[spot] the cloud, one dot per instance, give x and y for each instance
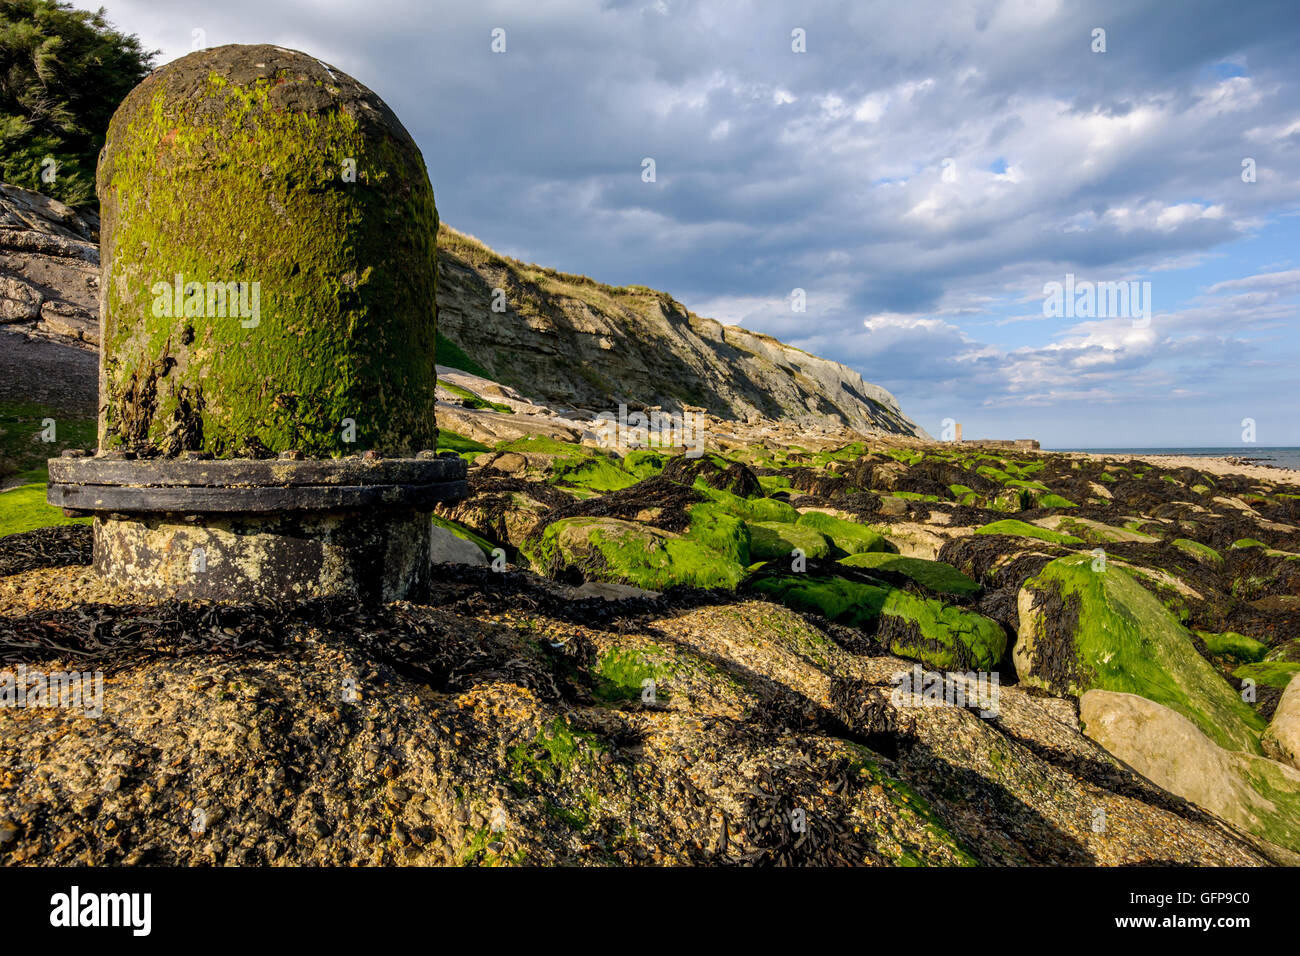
(921, 171)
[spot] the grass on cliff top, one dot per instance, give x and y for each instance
(599, 295)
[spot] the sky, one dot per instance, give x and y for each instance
(922, 171)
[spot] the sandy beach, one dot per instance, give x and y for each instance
(1213, 466)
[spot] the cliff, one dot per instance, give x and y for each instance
(567, 340)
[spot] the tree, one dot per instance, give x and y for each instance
(62, 74)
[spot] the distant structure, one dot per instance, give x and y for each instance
(1020, 444)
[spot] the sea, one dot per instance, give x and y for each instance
(1276, 457)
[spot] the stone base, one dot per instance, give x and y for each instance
(373, 557)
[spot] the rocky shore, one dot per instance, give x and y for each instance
(658, 676)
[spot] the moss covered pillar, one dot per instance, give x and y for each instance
(268, 243)
(268, 250)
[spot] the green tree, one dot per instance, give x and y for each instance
(62, 74)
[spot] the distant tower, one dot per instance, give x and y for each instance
(956, 432)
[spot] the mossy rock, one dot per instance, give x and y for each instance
(915, 496)
(1023, 529)
(772, 539)
(1028, 485)
(774, 483)
(610, 549)
(724, 533)
(934, 576)
(1055, 501)
(1231, 644)
(596, 472)
(470, 399)
(940, 636)
(1082, 629)
(750, 509)
(467, 448)
(1248, 543)
(1269, 673)
(1008, 501)
(1286, 651)
(228, 166)
(848, 536)
(713, 472)
(644, 463)
(836, 599)
(1094, 532)
(1201, 552)
(461, 531)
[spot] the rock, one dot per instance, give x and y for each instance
(490, 427)
(1258, 795)
(774, 540)
(18, 300)
(1281, 739)
(49, 280)
(23, 210)
(940, 636)
(889, 505)
(505, 517)
(849, 537)
(448, 548)
(610, 591)
(886, 474)
(935, 576)
(1082, 629)
(556, 336)
(734, 478)
(514, 464)
(609, 549)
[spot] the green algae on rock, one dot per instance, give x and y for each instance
(836, 599)
(610, 549)
(260, 175)
(849, 536)
(1082, 629)
(939, 635)
(934, 576)
(936, 634)
(774, 539)
(1023, 529)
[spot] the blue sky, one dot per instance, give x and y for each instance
(922, 171)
